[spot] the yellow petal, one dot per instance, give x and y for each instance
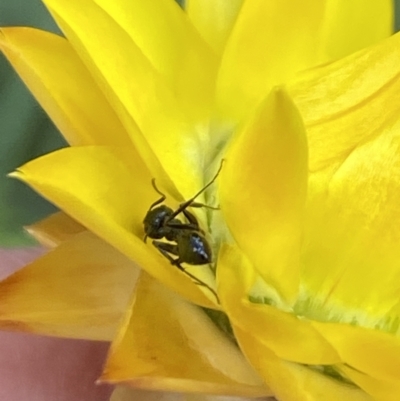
(292, 36)
(166, 343)
(139, 94)
(78, 290)
(352, 226)
(370, 351)
(342, 102)
(171, 44)
(109, 191)
(55, 229)
(282, 332)
(352, 25)
(213, 19)
(266, 173)
(63, 86)
(352, 199)
(269, 43)
(292, 382)
(379, 389)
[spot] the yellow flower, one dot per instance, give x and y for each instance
(305, 241)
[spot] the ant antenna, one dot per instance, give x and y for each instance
(209, 184)
(163, 197)
(191, 202)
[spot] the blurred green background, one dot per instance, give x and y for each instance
(25, 130)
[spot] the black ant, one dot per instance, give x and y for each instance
(189, 242)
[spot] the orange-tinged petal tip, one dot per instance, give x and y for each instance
(54, 229)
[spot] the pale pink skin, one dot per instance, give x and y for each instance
(37, 368)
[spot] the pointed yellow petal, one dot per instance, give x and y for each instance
(55, 229)
(270, 42)
(62, 84)
(282, 332)
(370, 351)
(352, 25)
(136, 91)
(109, 191)
(167, 344)
(293, 382)
(78, 290)
(379, 389)
(171, 44)
(266, 172)
(213, 19)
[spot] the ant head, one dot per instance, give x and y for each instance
(154, 222)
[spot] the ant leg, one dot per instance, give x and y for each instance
(195, 279)
(165, 248)
(177, 224)
(192, 225)
(163, 197)
(193, 221)
(191, 218)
